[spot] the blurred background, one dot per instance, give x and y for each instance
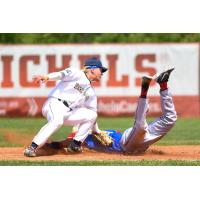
(128, 56)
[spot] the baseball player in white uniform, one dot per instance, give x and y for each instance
(73, 101)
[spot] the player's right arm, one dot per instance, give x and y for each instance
(66, 74)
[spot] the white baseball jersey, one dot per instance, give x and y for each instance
(75, 88)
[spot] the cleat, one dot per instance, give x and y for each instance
(30, 152)
(74, 148)
(146, 80)
(163, 76)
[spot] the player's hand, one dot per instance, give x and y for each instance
(40, 79)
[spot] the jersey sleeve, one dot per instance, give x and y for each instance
(70, 74)
(54, 76)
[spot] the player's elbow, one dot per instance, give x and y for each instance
(140, 126)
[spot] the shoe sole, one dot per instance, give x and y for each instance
(146, 80)
(68, 150)
(29, 155)
(156, 76)
(148, 77)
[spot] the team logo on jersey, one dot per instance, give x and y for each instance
(79, 88)
(68, 71)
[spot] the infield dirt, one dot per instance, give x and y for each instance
(154, 153)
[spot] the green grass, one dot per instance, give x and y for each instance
(185, 132)
(102, 163)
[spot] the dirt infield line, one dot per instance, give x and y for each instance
(154, 153)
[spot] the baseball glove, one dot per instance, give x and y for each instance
(103, 138)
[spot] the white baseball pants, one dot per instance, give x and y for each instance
(58, 115)
(142, 135)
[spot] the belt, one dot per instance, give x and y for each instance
(65, 103)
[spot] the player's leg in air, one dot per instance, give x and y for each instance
(138, 138)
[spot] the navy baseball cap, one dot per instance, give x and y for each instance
(93, 63)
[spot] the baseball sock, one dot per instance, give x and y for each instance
(34, 145)
(163, 86)
(78, 143)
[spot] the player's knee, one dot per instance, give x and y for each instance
(57, 122)
(91, 116)
(140, 126)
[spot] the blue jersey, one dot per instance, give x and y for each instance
(92, 143)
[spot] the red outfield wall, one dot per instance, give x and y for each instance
(120, 86)
(107, 106)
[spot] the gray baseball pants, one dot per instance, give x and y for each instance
(139, 137)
